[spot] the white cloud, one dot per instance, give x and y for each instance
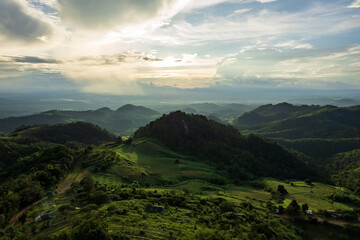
(273, 68)
(355, 4)
(266, 1)
(294, 45)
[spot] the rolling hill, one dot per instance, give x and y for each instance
(317, 131)
(151, 187)
(124, 120)
(80, 132)
(224, 147)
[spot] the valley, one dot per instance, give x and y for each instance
(181, 176)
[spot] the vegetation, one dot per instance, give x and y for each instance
(180, 177)
(241, 157)
(123, 120)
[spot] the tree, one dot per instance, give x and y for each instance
(87, 184)
(304, 207)
(281, 189)
(91, 229)
(308, 181)
(293, 208)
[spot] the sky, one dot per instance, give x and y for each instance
(127, 47)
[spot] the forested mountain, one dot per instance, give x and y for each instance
(225, 110)
(225, 147)
(181, 171)
(289, 121)
(317, 131)
(263, 115)
(345, 169)
(123, 120)
(80, 132)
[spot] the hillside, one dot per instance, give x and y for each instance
(224, 147)
(80, 132)
(328, 122)
(124, 120)
(345, 169)
(318, 132)
(265, 114)
(142, 189)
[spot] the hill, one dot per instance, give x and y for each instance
(224, 147)
(345, 170)
(265, 114)
(288, 121)
(317, 131)
(143, 189)
(224, 111)
(124, 120)
(80, 132)
(327, 122)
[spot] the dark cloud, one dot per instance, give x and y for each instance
(16, 24)
(33, 59)
(152, 59)
(128, 57)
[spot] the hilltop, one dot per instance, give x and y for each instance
(224, 147)
(151, 187)
(263, 115)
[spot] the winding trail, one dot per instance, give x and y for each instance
(14, 221)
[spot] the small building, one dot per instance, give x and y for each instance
(45, 216)
(157, 208)
(334, 214)
(309, 212)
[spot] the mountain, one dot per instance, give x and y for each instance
(124, 120)
(224, 147)
(181, 177)
(317, 131)
(81, 132)
(265, 114)
(345, 170)
(327, 122)
(221, 110)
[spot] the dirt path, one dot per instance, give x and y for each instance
(66, 184)
(14, 221)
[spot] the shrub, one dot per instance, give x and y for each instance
(91, 229)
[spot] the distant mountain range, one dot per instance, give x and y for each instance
(124, 119)
(317, 131)
(79, 132)
(288, 121)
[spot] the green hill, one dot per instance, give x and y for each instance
(266, 114)
(80, 132)
(146, 188)
(345, 169)
(124, 120)
(318, 132)
(224, 147)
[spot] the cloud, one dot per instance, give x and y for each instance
(355, 4)
(95, 14)
(31, 59)
(19, 23)
(292, 67)
(294, 45)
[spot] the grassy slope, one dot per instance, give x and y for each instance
(157, 163)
